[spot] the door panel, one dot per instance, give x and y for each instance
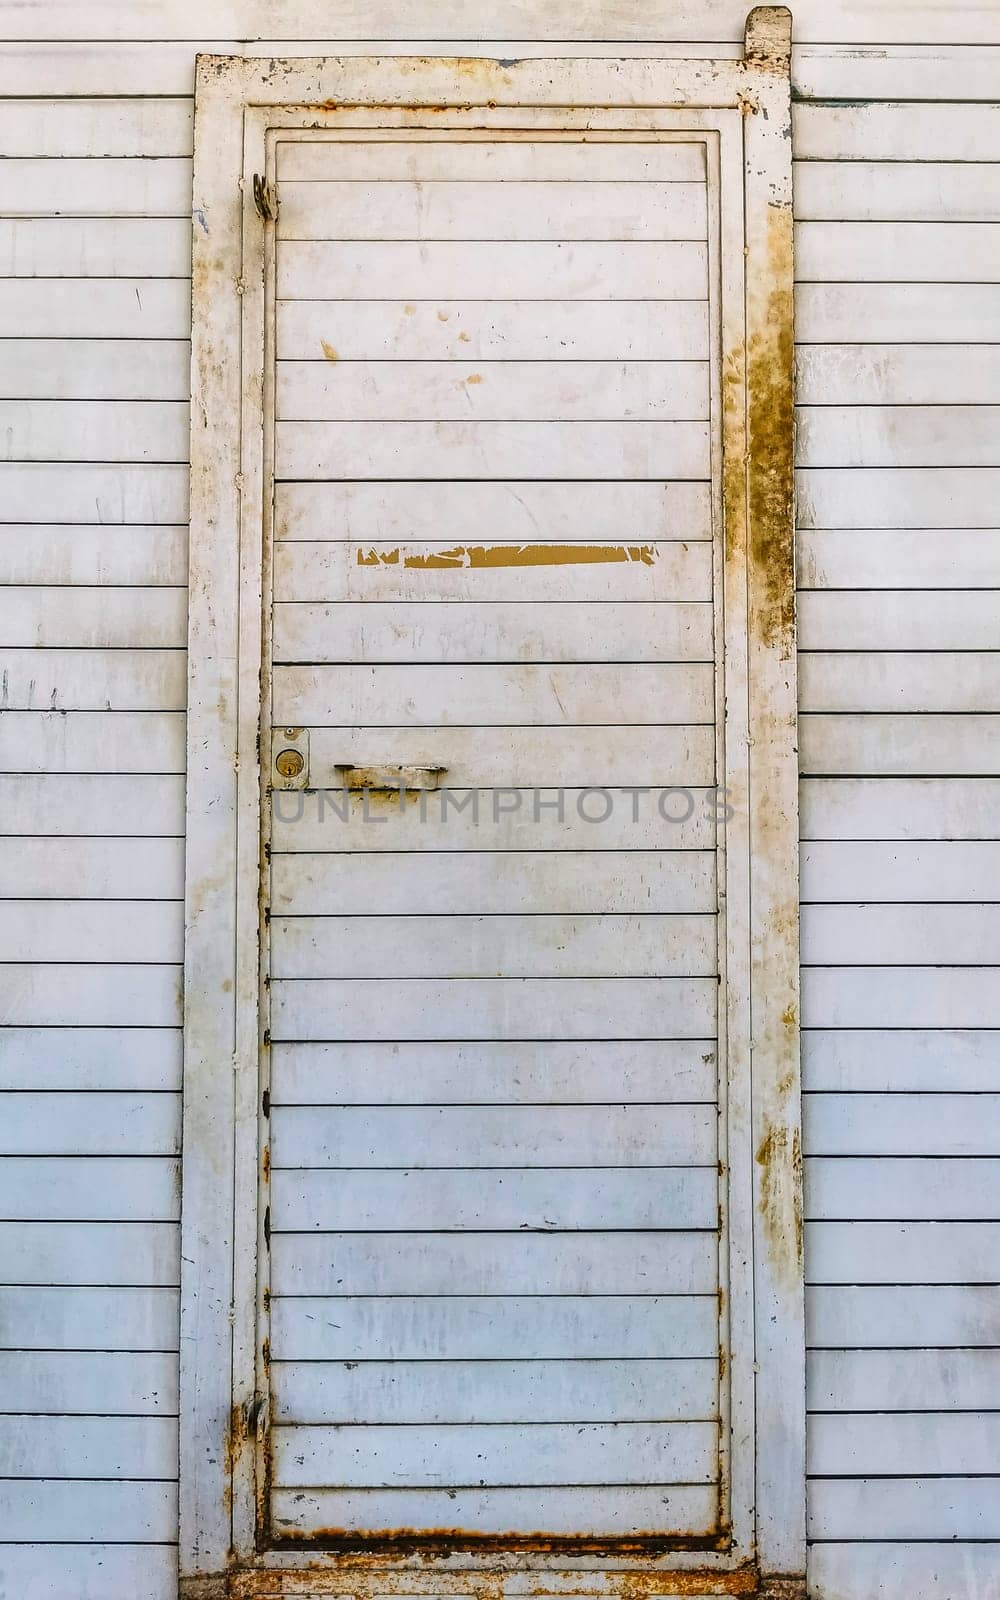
(495, 1262)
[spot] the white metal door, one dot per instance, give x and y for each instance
(494, 972)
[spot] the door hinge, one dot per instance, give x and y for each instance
(264, 198)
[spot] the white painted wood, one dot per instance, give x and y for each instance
(307, 450)
(90, 1058)
(657, 1197)
(79, 430)
(531, 883)
(533, 1453)
(880, 1189)
(75, 994)
(899, 680)
(97, 127)
(673, 571)
(913, 1443)
(930, 72)
(895, 1124)
(614, 1510)
(962, 935)
(92, 618)
(91, 868)
(97, 1571)
(587, 271)
(532, 1008)
(856, 312)
(489, 1136)
(58, 491)
(82, 369)
(493, 330)
(649, 754)
(92, 680)
(472, 1264)
(549, 161)
(124, 1382)
(84, 1512)
(47, 1319)
(867, 436)
(904, 1380)
(85, 1447)
(94, 804)
(913, 1508)
(947, 870)
(907, 72)
(897, 374)
(642, 946)
(518, 696)
(897, 132)
(894, 745)
(110, 556)
(909, 1317)
(895, 252)
(845, 22)
(497, 1392)
(91, 741)
(100, 1253)
(542, 629)
(901, 808)
(917, 558)
(95, 1188)
(80, 308)
(891, 191)
(901, 1252)
(500, 390)
(874, 1060)
(157, 186)
(82, 1124)
(491, 1327)
(91, 248)
(443, 822)
(492, 513)
(900, 997)
(898, 498)
(521, 1073)
(511, 210)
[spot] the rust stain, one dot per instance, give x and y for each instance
(779, 1156)
(465, 337)
(329, 351)
(352, 1569)
(410, 310)
(474, 377)
(770, 418)
(444, 316)
(479, 557)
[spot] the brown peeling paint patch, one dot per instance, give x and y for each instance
(478, 557)
(779, 1156)
(329, 351)
(770, 481)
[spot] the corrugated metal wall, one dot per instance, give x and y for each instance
(898, 325)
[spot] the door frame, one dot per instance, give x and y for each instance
(239, 104)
